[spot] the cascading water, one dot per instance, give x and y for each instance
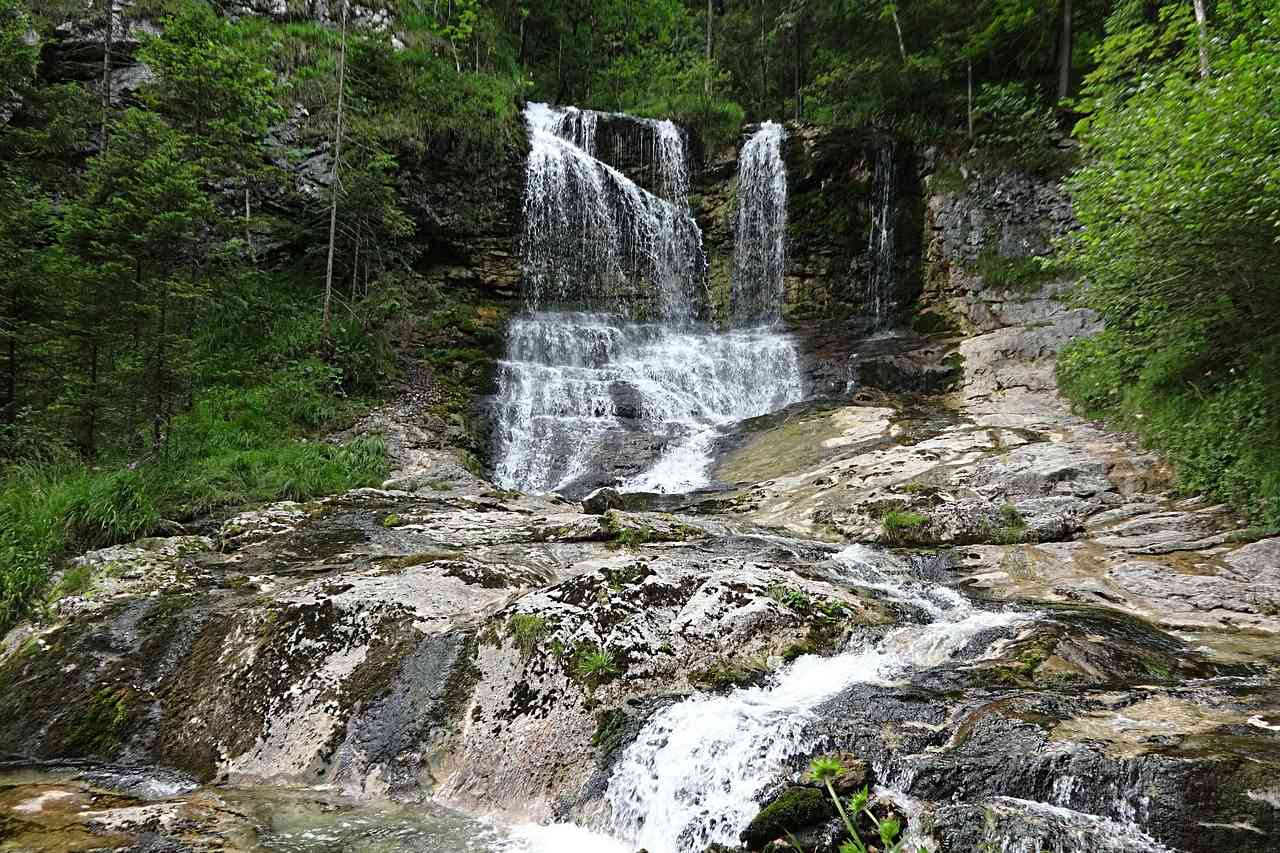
(880, 242)
(760, 248)
(693, 775)
(593, 238)
(610, 377)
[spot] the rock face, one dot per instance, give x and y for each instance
(1111, 684)
(828, 229)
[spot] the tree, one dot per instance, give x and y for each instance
(219, 95)
(1202, 28)
(1064, 52)
(19, 53)
(136, 229)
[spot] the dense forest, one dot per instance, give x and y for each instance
(191, 298)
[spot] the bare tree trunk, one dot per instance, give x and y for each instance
(1202, 21)
(248, 213)
(799, 103)
(897, 26)
(706, 83)
(355, 270)
(522, 44)
(333, 180)
(157, 414)
(89, 440)
(9, 410)
(106, 70)
(970, 100)
(1064, 52)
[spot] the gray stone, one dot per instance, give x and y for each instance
(601, 501)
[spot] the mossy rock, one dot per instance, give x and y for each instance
(794, 809)
(727, 674)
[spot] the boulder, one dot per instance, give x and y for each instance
(601, 501)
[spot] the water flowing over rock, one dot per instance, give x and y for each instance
(880, 243)
(594, 238)
(632, 391)
(695, 772)
(760, 247)
(581, 390)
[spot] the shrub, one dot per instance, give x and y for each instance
(1013, 120)
(903, 528)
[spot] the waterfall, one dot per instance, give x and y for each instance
(693, 775)
(880, 242)
(593, 238)
(760, 249)
(610, 377)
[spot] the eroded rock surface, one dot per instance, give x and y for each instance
(436, 639)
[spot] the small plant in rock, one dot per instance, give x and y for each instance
(791, 597)
(825, 771)
(594, 665)
(526, 630)
(1011, 529)
(392, 520)
(903, 528)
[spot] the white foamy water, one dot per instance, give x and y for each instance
(693, 775)
(562, 838)
(582, 389)
(573, 385)
(760, 238)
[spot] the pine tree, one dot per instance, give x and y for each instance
(136, 229)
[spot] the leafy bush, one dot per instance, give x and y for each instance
(1012, 119)
(1216, 422)
(1178, 253)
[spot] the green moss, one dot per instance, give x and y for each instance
(425, 558)
(935, 322)
(622, 576)
(793, 810)
(1010, 529)
(103, 722)
(610, 733)
(76, 579)
(726, 674)
(1018, 666)
(392, 520)
(1020, 275)
(795, 599)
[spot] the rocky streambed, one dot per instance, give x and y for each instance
(1032, 645)
(1110, 674)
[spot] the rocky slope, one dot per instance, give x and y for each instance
(438, 639)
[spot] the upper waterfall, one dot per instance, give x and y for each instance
(760, 249)
(593, 238)
(611, 378)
